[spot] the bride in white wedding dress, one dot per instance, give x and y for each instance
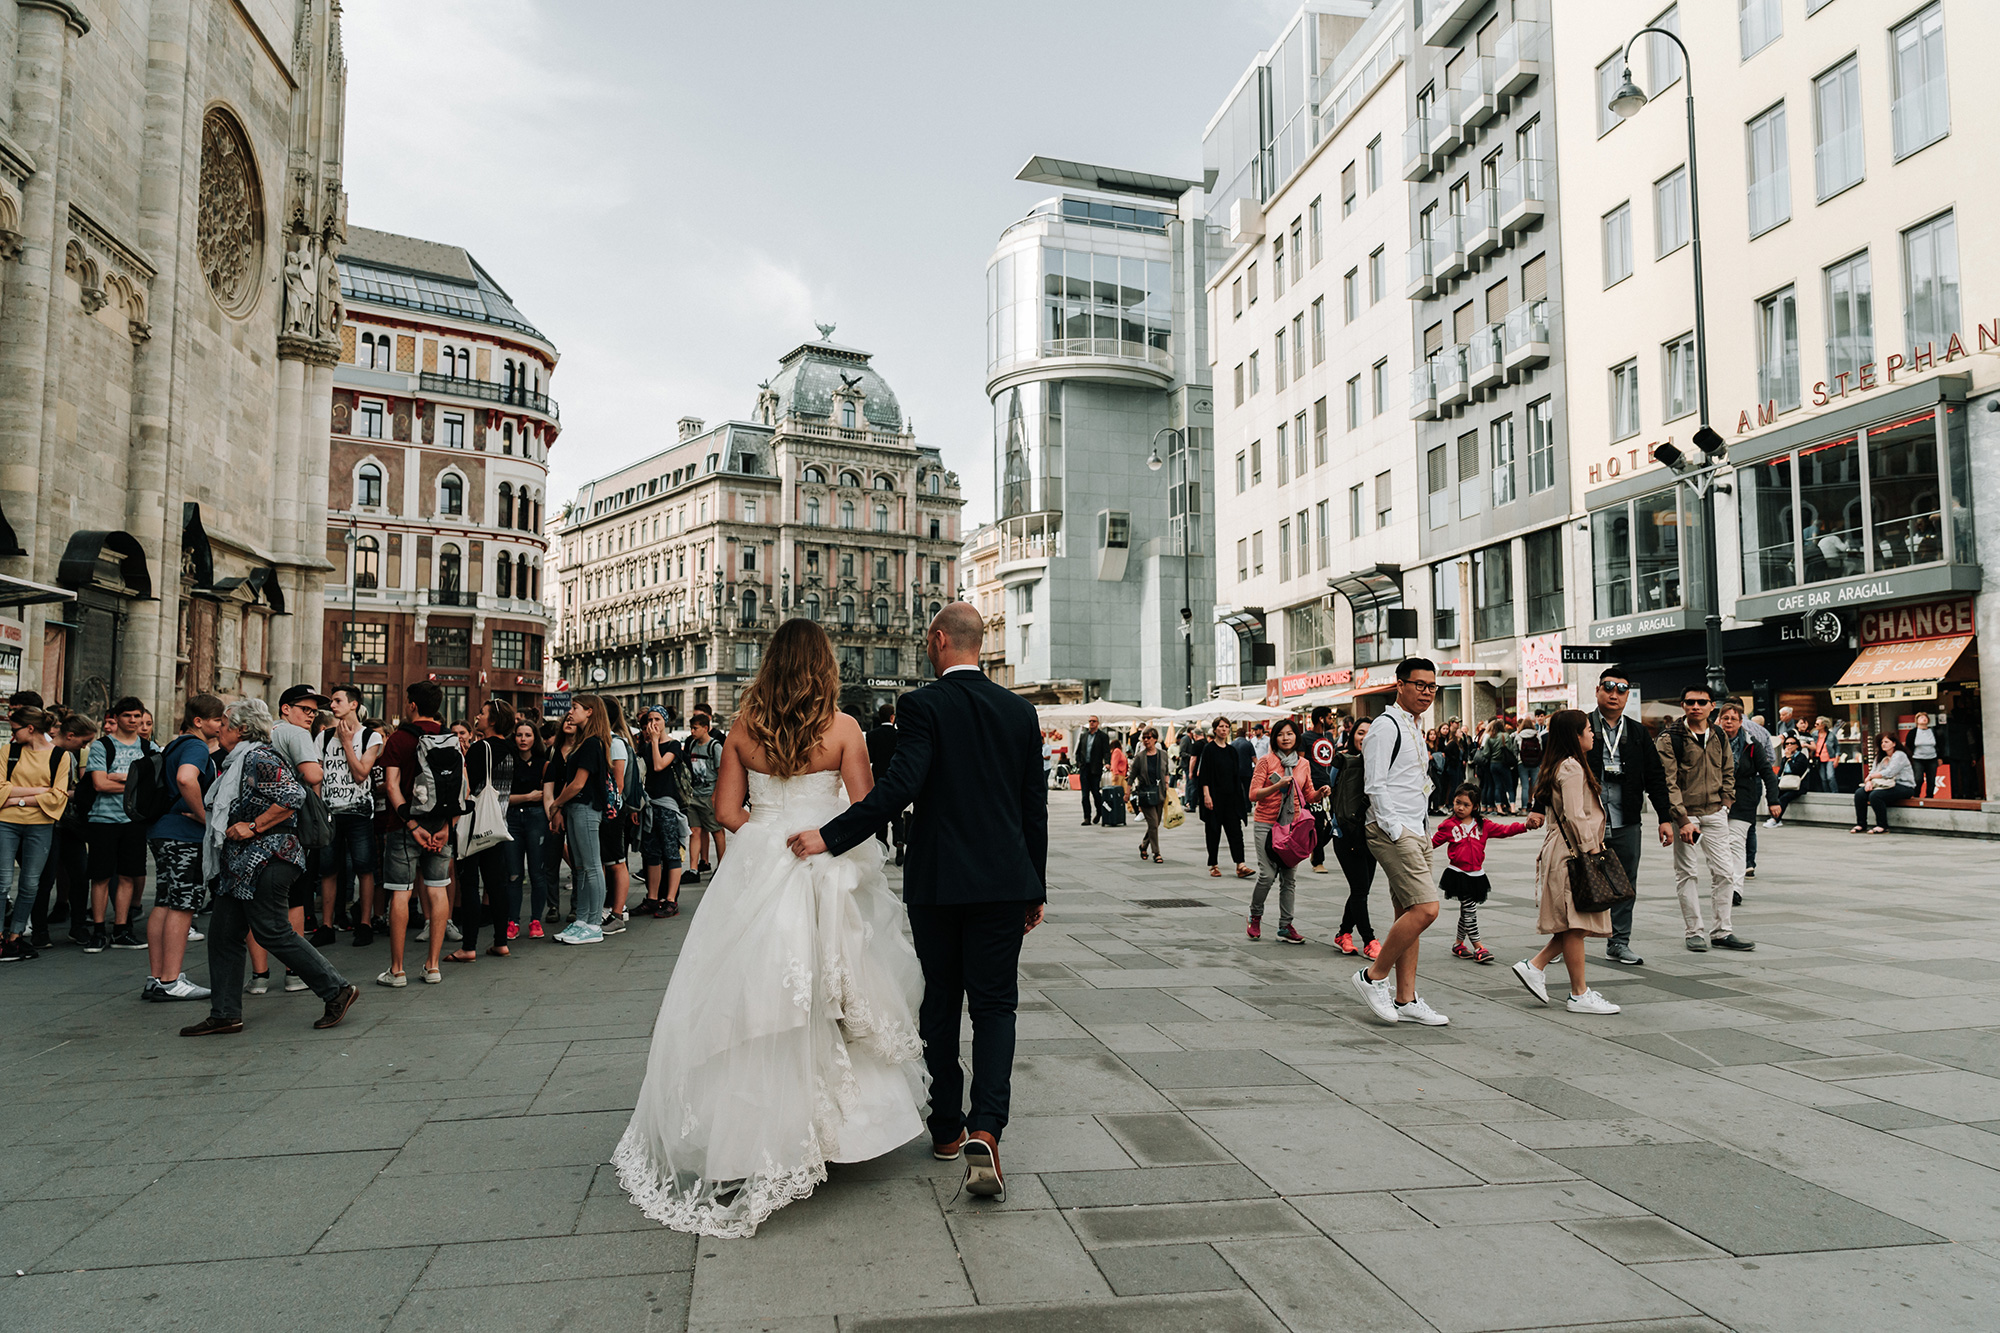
(788, 1035)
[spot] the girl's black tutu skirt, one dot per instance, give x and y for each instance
(1455, 883)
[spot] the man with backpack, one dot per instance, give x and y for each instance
(1528, 745)
(174, 808)
(349, 751)
(117, 844)
(423, 778)
(704, 756)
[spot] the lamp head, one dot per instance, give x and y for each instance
(1671, 456)
(1710, 442)
(1154, 461)
(1628, 100)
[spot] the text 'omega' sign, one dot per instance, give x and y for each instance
(1948, 615)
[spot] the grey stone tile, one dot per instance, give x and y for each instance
(1974, 1145)
(1172, 1184)
(1092, 1007)
(1640, 1240)
(33, 1229)
(1025, 1194)
(327, 1293)
(1080, 1085)
(1531, 1275)
(1192, 1100)
(1328, 1148)
(1224, 1312)
(1491, 1155)
(1954, 1094)
(1214, 1069)
(501, 1203)
(808, 1259)
(1317, 1287)
(1543, 1134)
(1978, 1051)
(1936, 1288)
(204, 1210)
(1038, 1143)
(1018, 1257)
(1884, 1115)
(1405, 1082)
(1707, 1048)
(1132, 1038)
(1560, 1098)
(1680, 1183)
(1167, 978)
(120, 1179)
(452, 1147)
(1165, 1139)
(1861, 1066)
(1338, 1213)
(1155, 1270)
(1158, 1223)
(623, 1304)
(274, 1133)
(558, 1258)
(1556, 1202)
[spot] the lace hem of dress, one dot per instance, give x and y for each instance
(700, 1208)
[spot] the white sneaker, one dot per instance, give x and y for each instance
(578, 933)
(1590, 1002)
(182, 989)
(1772, 823)
(451, 931)
(1536, 980)
(398, 979)
(1379, 996)
(424, 935)
(294, 982)
(1416, 1011)
(195, 936)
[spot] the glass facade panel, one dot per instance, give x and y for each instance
(1541, 445)
(1850, 318)
(1656, 551)
(1930, 277)
(1543, 551)
(1963, 548)
(1830, 509)
(1308, 639)
(1492, 592)
(1500, 442)
(1905, 506)
(1611, 562)
(1444, 605)
(1767, 514)
(1027, 434)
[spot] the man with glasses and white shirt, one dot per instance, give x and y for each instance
(1394, 761)
(1629, 773)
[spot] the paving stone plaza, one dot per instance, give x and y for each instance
(1208, 1133)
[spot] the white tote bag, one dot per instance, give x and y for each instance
(485, 826)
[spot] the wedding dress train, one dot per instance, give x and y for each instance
(788, 1035)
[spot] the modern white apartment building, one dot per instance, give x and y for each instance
(1316, 486)
(1852, 328)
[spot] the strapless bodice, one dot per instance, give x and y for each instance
(810, 797)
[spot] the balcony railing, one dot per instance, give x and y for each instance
(1921, 116)
(451, 597)
(1517, 57)
(1422, 282)
(1521, 199)
(487, 392)
(1838, 163)
(1481, 223)
(1448, 248)
(1477, 100)
(1483, 364)
(1417, 162)
(1453, 388)
(1525, 336)
(1423, 393)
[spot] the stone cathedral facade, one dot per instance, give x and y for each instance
(171, 211)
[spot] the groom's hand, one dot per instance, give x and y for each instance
(806, 844)
(1034, 917)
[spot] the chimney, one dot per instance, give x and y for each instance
(690, 427)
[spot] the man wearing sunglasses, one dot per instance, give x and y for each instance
(1701, 786)
(1630, 774)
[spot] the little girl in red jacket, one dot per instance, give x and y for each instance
(1465, 879)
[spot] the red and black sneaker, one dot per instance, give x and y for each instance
(1290, 935)
(1256, 930)
(1462, 950)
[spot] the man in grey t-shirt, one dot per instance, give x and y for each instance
(292, 737)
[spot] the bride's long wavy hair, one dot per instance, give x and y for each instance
(791, 705)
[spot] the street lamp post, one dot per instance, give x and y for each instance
(1627, 102)
(1154, 462)
(353, 587)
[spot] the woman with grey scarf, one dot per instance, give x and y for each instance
(251, 856)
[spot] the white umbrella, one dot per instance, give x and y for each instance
(1236, 710)
(1075, 715)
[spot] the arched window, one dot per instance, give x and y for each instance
(847, 414)
(881, 613)
(451, 494)
(749, 608)
(850, 479)
(521, 576)
(535, 593)
(506, 519)
(503, 576)
(367, 563)
(368, 486)
(464, 363)
(809, 606)
(935, 608)
(450, 575)
(524, 516)
(881, 518)
(885, 483)
(507, 379)
(815, 476)
(847, 612)
(812, 510)
(936, 486)
(847, 513)
(507, 437)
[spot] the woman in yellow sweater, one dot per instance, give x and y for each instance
(38, 783)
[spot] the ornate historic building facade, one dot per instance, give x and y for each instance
(170, 213)
(675, 570)
(441, 430)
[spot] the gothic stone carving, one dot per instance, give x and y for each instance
(229, 233)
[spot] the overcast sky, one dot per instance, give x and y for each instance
(675, 191)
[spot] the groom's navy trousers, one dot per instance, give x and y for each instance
(969, 954)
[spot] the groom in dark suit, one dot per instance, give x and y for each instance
(969, 755)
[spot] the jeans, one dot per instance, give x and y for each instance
(1624, 844)
(970, 955)
(264, 917)
(482, 896)
(1529, 773)
(1741, 831)
(1880, 799)
(1718, 856)
(527, 859)
(582, 826)
(30, 842)
(1269, 868)
(1828, 772)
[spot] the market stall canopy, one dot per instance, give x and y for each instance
(1236, 710)
(1076, 715)
(1909, 670)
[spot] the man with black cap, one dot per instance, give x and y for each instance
(291, 737)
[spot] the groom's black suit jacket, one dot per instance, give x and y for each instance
(969, 755)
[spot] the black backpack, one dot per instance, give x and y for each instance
(149, 789)
(439, 785)
(1350, 789)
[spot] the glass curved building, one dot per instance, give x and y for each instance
(1094, 333)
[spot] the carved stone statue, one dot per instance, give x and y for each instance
(332, 310)
(301, 289)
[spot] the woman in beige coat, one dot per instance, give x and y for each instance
(1567, 789)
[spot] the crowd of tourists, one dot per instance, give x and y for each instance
(293, 831)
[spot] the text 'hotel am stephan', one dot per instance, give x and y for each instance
(441, 429)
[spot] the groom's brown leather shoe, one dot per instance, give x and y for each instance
(949, 1152)
(982, 1167)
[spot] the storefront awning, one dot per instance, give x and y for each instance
(1909, 670)
(24, 592)
(1377, 585)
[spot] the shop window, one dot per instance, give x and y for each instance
(448, 646)
(1492, 593)
(1830, 510)
(1768, 517)
(1904, 494)
(1308, 638)
(1372, 643)
(1611, 562)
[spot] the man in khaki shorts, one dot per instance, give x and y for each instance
(1394, 762)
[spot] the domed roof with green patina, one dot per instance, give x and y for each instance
(812, 373)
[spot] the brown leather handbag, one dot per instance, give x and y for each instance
(1596, 879)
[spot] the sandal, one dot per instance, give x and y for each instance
(1244, 872)
(1857, 829)
(1159, 860)
(1215, 871)
(1879, 828)
(461, 956)
(497, 951)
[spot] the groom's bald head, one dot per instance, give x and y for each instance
(962, 629)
